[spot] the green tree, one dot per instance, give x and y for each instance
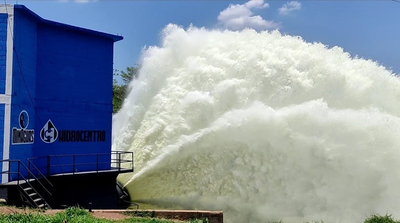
(120, 90)
(130, 74)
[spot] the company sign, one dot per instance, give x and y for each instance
(23, 135)
(50, 134)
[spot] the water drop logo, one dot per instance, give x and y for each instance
(49, 132)
(23, 119)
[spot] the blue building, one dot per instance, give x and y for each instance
(56, 112)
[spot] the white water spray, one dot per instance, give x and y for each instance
(262, 126)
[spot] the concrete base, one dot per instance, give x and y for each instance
(183, 215)
(99, 189)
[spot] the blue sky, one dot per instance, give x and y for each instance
(368, 29)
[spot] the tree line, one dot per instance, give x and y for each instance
(120, 90)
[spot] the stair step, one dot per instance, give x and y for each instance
(38, 199)
(28, 188)
(42, 206)
(32, 194)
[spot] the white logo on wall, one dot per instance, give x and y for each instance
(49, 132)
(22, 135)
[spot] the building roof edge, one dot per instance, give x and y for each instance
(115, 38)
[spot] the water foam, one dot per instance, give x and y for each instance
(263, 126)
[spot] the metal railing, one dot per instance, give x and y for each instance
(78, 163)
(34, 175)
(39, 175)
(23, 173)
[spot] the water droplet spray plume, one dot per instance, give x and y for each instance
(263, 126)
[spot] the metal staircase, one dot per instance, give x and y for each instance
(32, 184)
(32, 197)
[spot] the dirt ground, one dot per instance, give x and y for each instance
(109, 215)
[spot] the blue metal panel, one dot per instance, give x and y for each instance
(2, 107)
(3, 49)
(57, 25)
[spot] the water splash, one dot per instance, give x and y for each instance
(262, 126)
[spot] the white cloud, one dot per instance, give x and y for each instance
(238, 16)
(289, 7)
(259, 4)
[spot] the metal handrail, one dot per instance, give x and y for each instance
(73, 164)
(33, 188)
(30, 173)
(40, 173)
(25, 179)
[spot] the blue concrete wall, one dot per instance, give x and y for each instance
(74, 91)
(23, 85)
(62, 84)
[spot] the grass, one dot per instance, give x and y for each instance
(78, 215)
(381, 219)
(70, 215)
(74, 215)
